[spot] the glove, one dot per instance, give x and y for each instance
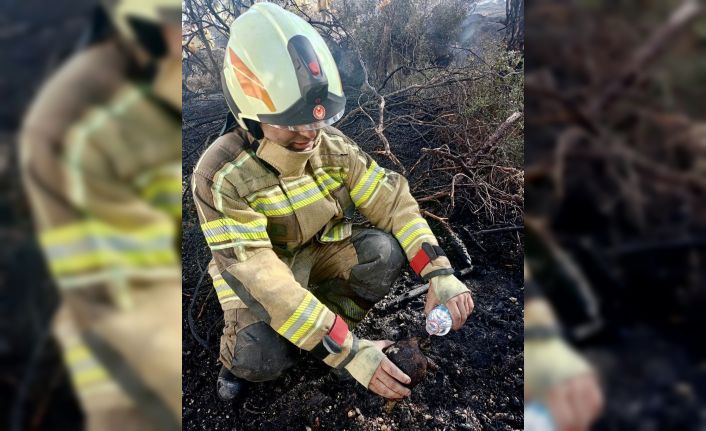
(365, 362)
(446, 287)
(549, 360)
(548, 363)
(448, 290)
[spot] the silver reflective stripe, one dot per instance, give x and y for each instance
(302, 319)
(412, 229)
(233, 228)
(291, 202)
(117, 243)
(368, 184)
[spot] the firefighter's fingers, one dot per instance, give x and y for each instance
(455, 314)
(591, 397)
(394, 372)
(463, 312)
(398, 390)
(561, 409)
(576, 399)
(463, 307)
(469, 303)
(385, 384)
(381, 344)
(378, 387)
(431, 301)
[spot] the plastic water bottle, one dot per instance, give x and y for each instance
(538, 418)
(439, 321)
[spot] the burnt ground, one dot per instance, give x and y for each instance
(477, 385)
(654, 379)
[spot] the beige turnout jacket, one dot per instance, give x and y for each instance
(259, 203)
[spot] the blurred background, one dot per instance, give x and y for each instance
(615, 178)
(33, 380)
(90, 142)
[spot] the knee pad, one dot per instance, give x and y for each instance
(380, 260)
(261, 354)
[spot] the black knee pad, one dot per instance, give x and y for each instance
(380, 260)
(261, 354)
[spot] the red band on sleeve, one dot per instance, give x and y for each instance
(419, 261)
(338, 331)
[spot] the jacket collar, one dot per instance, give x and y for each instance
(287, 163)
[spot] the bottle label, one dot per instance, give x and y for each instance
(439, 321)
(538, 418)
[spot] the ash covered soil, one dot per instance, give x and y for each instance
(476, 386)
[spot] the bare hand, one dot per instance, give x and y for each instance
(460, 307)
(576, 403)
(388, 380)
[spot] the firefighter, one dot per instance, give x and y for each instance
(100, 153)
(275, 195)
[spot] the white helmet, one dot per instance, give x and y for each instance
(279, 71)
(140, 21)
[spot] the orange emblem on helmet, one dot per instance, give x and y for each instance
(250, 83)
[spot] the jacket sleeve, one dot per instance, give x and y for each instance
(242, 252)
(97, 232)
(383, 197)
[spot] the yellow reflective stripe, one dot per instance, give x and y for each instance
(308, 324)
(118, 276)
(172, 170)
(78, 140)
(326, 181)
(300, 323)
(226, 229)
(337, 173)
(416, 235)
(77, 353)
(163, 185)
(102, 258)
(367, 185)
(75, 231)
(335, 233)
(297, 313)
(280, 204)
(310, 200)
(412, 230)
(291, 194)
(223, 290)
(91, 245)
(89, 377)
(242, 243)
(85, 369)
(222, 174)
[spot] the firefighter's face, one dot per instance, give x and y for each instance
(293, 141)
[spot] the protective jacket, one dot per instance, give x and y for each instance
(101, 164)
(259, 204)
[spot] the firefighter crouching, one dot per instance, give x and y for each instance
(275, 195)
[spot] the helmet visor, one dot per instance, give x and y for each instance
(311, 126)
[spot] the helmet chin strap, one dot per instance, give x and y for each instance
(254, 128)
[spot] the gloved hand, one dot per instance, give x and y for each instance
(450, 291)
(556, 374)
(372, 369)
(564, 381)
